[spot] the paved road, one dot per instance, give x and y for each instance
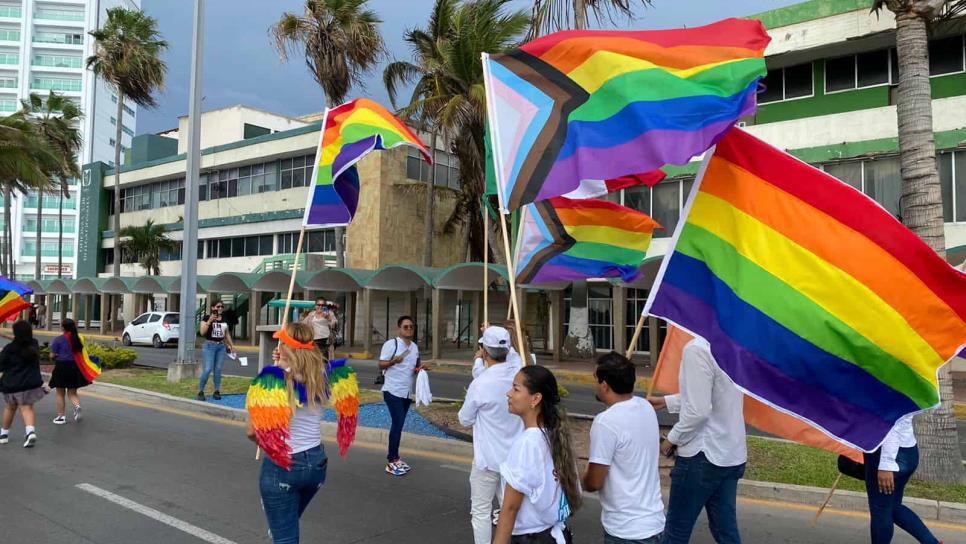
(198, 475)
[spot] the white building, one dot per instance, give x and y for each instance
(44, 45)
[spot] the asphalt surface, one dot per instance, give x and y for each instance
(197, 474)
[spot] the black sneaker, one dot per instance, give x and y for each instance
(217, 395)
(201, 396)
(4, 438)
(30, 440)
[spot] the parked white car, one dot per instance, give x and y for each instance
(155, 328)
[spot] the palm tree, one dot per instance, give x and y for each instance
(449, 90)
(145, 244)
(921, 201)
(426, 47)
(341, 42)
(127, 56)
(552, 15)
(26, 161)
(55, 119)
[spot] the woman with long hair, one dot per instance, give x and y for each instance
(21, 382)
(66, 377)
(541, 486)
(287, 491)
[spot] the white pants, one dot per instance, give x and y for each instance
(484, 485)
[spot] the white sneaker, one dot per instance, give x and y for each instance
(77, 413)
(30, 440)
(60, 420)
(4, 438)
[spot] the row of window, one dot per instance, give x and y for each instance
(244, 246)
(880, 67)
(317, 241)
(51, 202)
(66, 38)
(48, 224)
(13, 12)
(58, 61)
(59, 14)
(9, 35)
(9, 58)
(56, 84)
(47, 249)
(124, 128)
(447, 168)
(127, 109)
(153, 196)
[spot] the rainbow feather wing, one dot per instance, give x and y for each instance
(344, 387)
(270, 413)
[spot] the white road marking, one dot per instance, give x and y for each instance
(183, 526)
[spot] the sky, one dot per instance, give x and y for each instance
(241, 65)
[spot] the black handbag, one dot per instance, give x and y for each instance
(851, 468)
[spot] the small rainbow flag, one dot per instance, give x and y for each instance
(344, 386)
(270, 414)
(815, 300)
(89, 366)
(12, 295)
(350, 132)
(567, 240)
(590, 105)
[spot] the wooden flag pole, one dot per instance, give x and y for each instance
(637, 334)
(827, 499)
(486, 265)
(288, 300)
(513, 289)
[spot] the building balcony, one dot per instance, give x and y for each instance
(13, 13)
(60, 16)
(10, 37)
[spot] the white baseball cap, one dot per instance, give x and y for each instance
(495, 337)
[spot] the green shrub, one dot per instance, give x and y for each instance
(562, 391)
(45, 354)
(112, 357)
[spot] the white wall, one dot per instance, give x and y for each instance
(227, 125)
(827, 31)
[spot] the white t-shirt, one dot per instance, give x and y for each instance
(626, 438)
(320, 325)
(485, 409)
(399, 378)
(512, 358)
(529, 469)
(305, 430)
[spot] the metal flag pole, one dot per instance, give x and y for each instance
(189, 245)
(486, 265)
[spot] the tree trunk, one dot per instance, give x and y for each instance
(428, 224)
(921, 209)
(40, 216)
(60, 234)
(117, 183)
(7, 241)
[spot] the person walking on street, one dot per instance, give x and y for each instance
(286, 493)
(624, 452)
(495, 429)
(217, 344)
(400, 360)
(21, 382)
(321, 320)
(540, 481)
(42, 315)
(66, 377)
(711, 448)
(887, 471)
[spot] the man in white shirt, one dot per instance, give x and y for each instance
(624, 451)
(399, 359)
(494, 428)
(711, 448)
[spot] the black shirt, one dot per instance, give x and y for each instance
(216, 330)
(20, 365)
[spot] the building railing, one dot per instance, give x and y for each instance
(10, 35)
(59, 15)
(9, 58)
(13, 12)
(57, 61)
(50, 84)
(57, 37)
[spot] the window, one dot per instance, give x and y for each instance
(59, 14)
(447, 168)
(244, 246)
(124, 128)
(56, 84)
(884, 183)
(318, 241)
(873, 68)
(840, 74)
(849, 172)
(10, 11)
(154, 318)
(59, 37)
(296, 172)
(8, 105)
(599, 306)
(127, 109)
(8, 82)
(9, 58)
(787, 83)
(946, 56)
(9, 35)
(173, 254)
(141, 319)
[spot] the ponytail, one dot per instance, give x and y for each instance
(75, 342)
(553, 423)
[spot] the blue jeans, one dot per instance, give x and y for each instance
(611, 539)
(287, 493)
(887, 511)
(213, 354)
(696, 483)
(398, 408)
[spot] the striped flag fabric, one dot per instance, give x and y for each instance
(349, 133)
(13, 298)
(815, 300)
(593, 105)
(564, 240)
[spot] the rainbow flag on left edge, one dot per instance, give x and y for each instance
(815, 300)
(12, 298)
(349, 132)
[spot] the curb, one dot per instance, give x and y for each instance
(852, 501)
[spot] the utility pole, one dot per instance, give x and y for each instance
(185, 366)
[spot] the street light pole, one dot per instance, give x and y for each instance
(185, 366)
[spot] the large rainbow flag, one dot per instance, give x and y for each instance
(815, 300)
(88, 365)
(350, 132)
(12, 298)
(591, 105)
(563, 240)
